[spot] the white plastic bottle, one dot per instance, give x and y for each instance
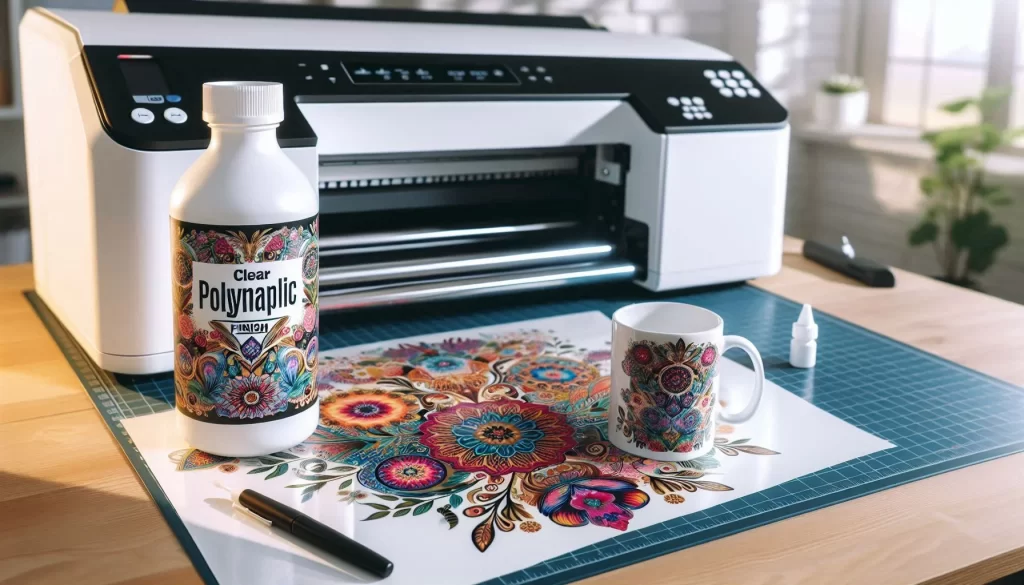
(244, 228)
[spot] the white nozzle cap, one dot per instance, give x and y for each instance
(805, 329)
(243, 103)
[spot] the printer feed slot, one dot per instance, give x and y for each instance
(488, 284)
(404, 223)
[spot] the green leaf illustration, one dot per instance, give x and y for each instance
(455, 500)
(408, 503)
(376, 506)
(281, 470)
(423, 508)
(386, 497)
(261, 469)
(376, 516)
(345, 484)
(401, 513)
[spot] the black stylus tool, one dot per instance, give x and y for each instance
(310, 531)
(845, 261)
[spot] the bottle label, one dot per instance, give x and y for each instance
(245, 327)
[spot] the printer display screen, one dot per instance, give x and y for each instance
(430, 74)
(143, 76)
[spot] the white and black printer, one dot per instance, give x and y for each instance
(455, 155)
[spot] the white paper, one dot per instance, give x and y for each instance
(422, 547)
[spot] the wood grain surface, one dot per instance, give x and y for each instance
(73, 511)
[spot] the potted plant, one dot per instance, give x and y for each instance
(959, 201)
(841, 102)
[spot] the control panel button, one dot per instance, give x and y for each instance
(148, 99)
(323, 67)
(688, 115)
(709, 74)
(754, 92)
(143, 116)
(173, 98)
(737, 74)
(725, 91)
(699, 101)
(548, 78)
(674, 102)
(717, 83)
(175, 115)
(532, 78)
(723, 74)
(542, 70)
(732, 83)
(524, 69)
(685, 101)
(740, 92)
(746, 83)
(707, 115)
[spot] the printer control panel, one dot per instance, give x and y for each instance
(150, 98)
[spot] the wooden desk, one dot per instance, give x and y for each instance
(72, 510)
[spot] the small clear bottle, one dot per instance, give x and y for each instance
(245, 264)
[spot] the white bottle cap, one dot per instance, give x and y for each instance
(805, 329)
(245, 103)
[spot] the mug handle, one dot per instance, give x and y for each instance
(733, 341)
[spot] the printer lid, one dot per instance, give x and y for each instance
(95, 27)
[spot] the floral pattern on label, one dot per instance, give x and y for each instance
(245, 320)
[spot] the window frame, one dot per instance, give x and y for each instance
(870, 57)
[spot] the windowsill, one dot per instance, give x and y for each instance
(904, 143)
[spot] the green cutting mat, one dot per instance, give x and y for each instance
(940, 416)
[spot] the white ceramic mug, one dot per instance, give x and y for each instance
(665, 381)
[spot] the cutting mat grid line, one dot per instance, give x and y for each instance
(939, 415)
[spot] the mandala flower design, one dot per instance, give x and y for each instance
(641, 356)
(410, 472)
(498, 437)
(675, 379)
(310, 264)
(251, 397)
(552, 373)
(364, 409)
(448, 373)
(602, 501)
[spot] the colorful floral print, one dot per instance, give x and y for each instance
(506, 432)
(667, 405)
(498, 437)
(410, 472)
(363, 409)
(239, 372)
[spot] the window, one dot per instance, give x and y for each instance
(918, 54)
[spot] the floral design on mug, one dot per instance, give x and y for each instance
(668, 404)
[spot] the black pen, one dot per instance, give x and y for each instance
(308, 530)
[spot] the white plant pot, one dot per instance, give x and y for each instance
(845, 110)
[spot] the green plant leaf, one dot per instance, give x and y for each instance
(455, 500)
(926, 231)
(376, 506)
(384, 496)
(345, 484)
(261, 469)
(423, 508)
(376, 516)
(401, 513)
(989, 138)
(987, 242)
(959, 105)
(929, 185)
